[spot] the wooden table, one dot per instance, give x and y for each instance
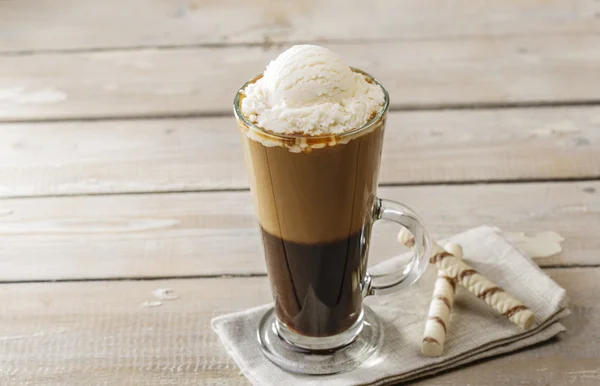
(121, 169)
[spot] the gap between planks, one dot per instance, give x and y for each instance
(266, 45)
(393, 108)
(515, 181)
(218, 276)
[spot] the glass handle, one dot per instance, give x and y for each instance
(384, 283)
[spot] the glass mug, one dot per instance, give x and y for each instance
(316, 204)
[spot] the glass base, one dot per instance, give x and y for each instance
(315, 360)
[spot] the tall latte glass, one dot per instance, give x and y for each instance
(315, 198)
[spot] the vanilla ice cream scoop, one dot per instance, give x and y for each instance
(308, 75)
(310, 90)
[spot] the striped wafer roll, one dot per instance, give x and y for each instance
(477, 284)
(438, 317)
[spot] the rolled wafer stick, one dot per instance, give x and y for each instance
(477, 284)
(438, 317)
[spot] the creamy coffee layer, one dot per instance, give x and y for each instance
(322, 195)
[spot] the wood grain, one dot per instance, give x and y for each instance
(98, 332)
(72, 25)
(424, 73)
(205, 153)
(165, 235)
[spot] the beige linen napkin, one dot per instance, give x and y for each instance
(475, 331)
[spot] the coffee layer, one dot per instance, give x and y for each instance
(317, 196)
(316, 286)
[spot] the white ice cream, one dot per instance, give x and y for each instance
(310, 90)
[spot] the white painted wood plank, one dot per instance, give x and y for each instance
(70, 24)
(171, 235)
(205, 154)
(202, 81)
(97, 332)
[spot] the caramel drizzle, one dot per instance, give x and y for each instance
(439, 257)
(429, 339)
(440, 321)
(489, 292)
(510, 313)
(465, 273)
(410, 242)
(445, 300)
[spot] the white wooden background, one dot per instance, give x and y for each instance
(121, 170)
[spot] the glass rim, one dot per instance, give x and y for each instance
(269, 134)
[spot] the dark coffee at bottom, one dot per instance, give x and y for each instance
(316, 286)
